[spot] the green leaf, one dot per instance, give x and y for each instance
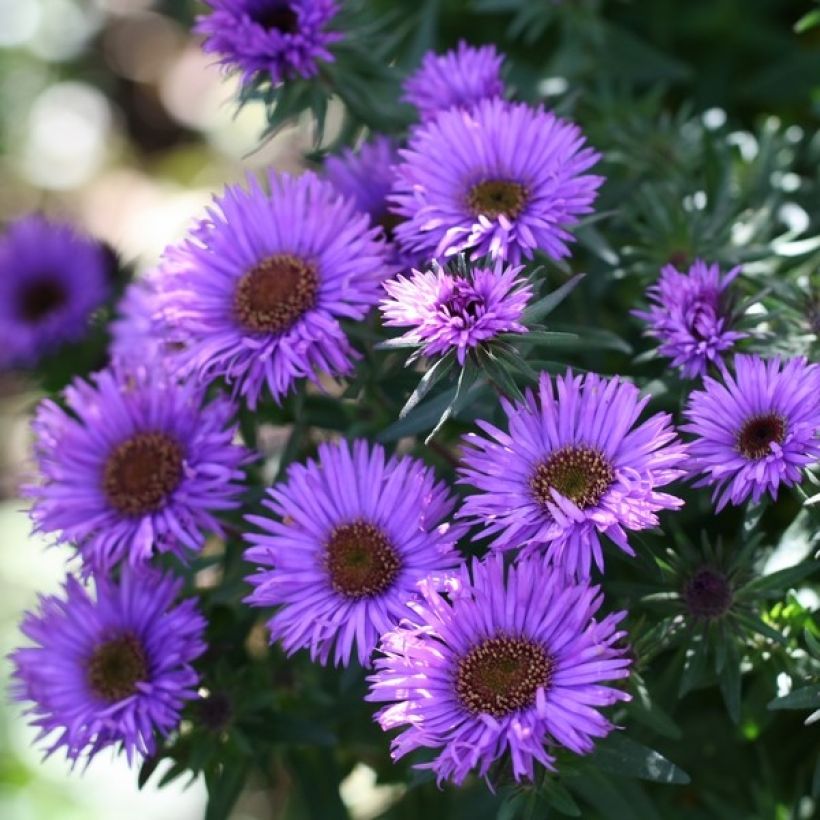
(296, 731)
(147, 769)
(543, 307)
(619, 754)
(694, 667)
(730, 683)
(421, 418)
(436, 372)
(777, 582)
(808, 21)
(224, 788)
(806, 697)
(559, 798)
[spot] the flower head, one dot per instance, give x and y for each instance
(448, 312)
(136, 464)
(365, 176)
(509, 663)
(51, 280)
(138, 335)
(256, 292)
(574, 465)
(458, 78)
(114, 668)
(353, 534)
(690, 316)
(756, 430)
(283, 39)
(502, 179)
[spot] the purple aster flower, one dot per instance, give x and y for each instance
(458, 78)
(365, 176)
(256, 292)
(354, 534)
(51, 280)
(114, 668)
(138, 333)
(135, 465)
(691, 316)
(281, 38)
(448, 312)
(508, 664)
(574, 465)
(756, 430)
(503, 179)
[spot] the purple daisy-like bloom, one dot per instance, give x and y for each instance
(354, 534)
(283, 39)
(256, 292)
(136, 464)
(365, 176)
(51, 280)
(458, 78)
(503, 179)
(575, 465)
(510, 662)
(756, 430)
(138, 333)
(114, 668)
(690, 316)
(448, 312)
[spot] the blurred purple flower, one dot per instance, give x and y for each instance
(459, 78)
(281, 38)
(114, 668)
(508, 664)
(51, 280)
(757, 430)
(354, 533)
(503, 179)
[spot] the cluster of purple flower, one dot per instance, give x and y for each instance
(357, 551)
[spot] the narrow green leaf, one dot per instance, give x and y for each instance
(619, 754)
(436, 372)
(557, 796)
(420, 419)
(543, 307)
(224, 789)
(778, 581)
(730, 683)
(806, 697)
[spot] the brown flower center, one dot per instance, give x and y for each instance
(494, 197)
(271, 296)
(501, 675)
(116, 667)
(758, 433)
(142, 472)
(41, 297)
(389, 221)
(361, 560)
(580, 474)
(708, 594)
(276, 15)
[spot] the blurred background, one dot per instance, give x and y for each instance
(112, 117)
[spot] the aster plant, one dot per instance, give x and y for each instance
(510, 662)
(459, 190)
(376, 499)
(353, 534)
(691, 316)
(256, 293)
(52, 279)
(109, 668)
(133, 466)
(755, 430)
